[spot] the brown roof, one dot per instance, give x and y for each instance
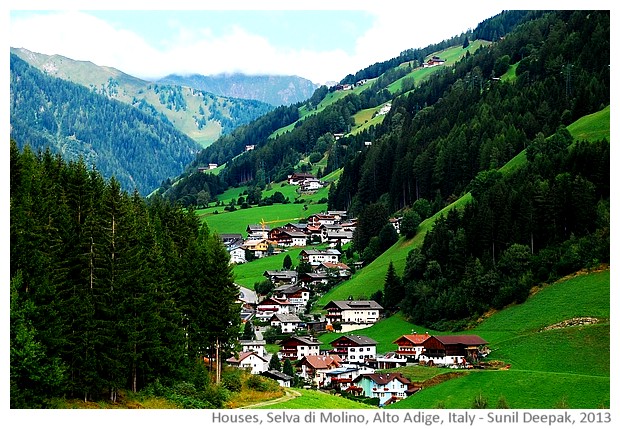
(466, 340)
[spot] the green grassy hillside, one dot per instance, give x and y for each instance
(563, 367)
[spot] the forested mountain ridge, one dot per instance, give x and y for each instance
(202, 115)
(274, 90)
(136, 147)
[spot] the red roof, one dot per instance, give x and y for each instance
(320, 361)
(416, 339)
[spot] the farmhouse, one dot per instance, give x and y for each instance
(388, 388)
(354, 348)
(458, 350)
(255, 231)
(353, 314)
(297, 347)
(410, 346)
(299, 178)
(434, 61)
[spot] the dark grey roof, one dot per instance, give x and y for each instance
(354, 305)
(276, 375)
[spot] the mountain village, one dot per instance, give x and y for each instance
(350, 364)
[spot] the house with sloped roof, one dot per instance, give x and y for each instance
(388, 388)
(297, 294)
(354, 348)
(352, 315)
(249, 360)
(284, 380)
(270, 306)
(410, 346)
(297, 347)
(452, 350)
(288, 323)
(314, 368)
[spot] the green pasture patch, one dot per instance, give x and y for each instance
(314, 399)
(580, 296)
(576, 350)
(519, 389)
(252, 272)
(592, 127)
(275, 215)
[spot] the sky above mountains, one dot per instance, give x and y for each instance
(319, 43)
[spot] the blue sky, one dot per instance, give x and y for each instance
(321, 43)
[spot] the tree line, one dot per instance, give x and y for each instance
(108, 291)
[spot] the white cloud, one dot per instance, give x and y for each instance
(81, 36)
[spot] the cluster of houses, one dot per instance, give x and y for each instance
(332, 228)
(351, 363)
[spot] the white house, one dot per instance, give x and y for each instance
(251, 360)
(237, 255)
(256, 346)
(270, 306)
(317, 257)
(353, 314)
(297, 347)
(288, 323)
(298, 295)
(354, 348)
(283, 380)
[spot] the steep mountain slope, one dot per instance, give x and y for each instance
(122, 141)
(201, 115)
(275, 90)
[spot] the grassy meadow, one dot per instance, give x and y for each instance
(558, 368)
(313, 399)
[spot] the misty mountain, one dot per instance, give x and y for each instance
(275, 90)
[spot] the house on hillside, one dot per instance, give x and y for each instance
(451, 350)
(251, 360)
(298, 178)
(343, 376)
(256, 346)
(270, 306)
(288, 323)
(353, 314)
(411, 346)
(354, 348)
(297, 294)
(297, 347)
(281, 277)
(257, 232)
(283, 379)
(389, 388)
(316, 257)
(258, 247)
(314, 368)
(434, 61)
(287, 237)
